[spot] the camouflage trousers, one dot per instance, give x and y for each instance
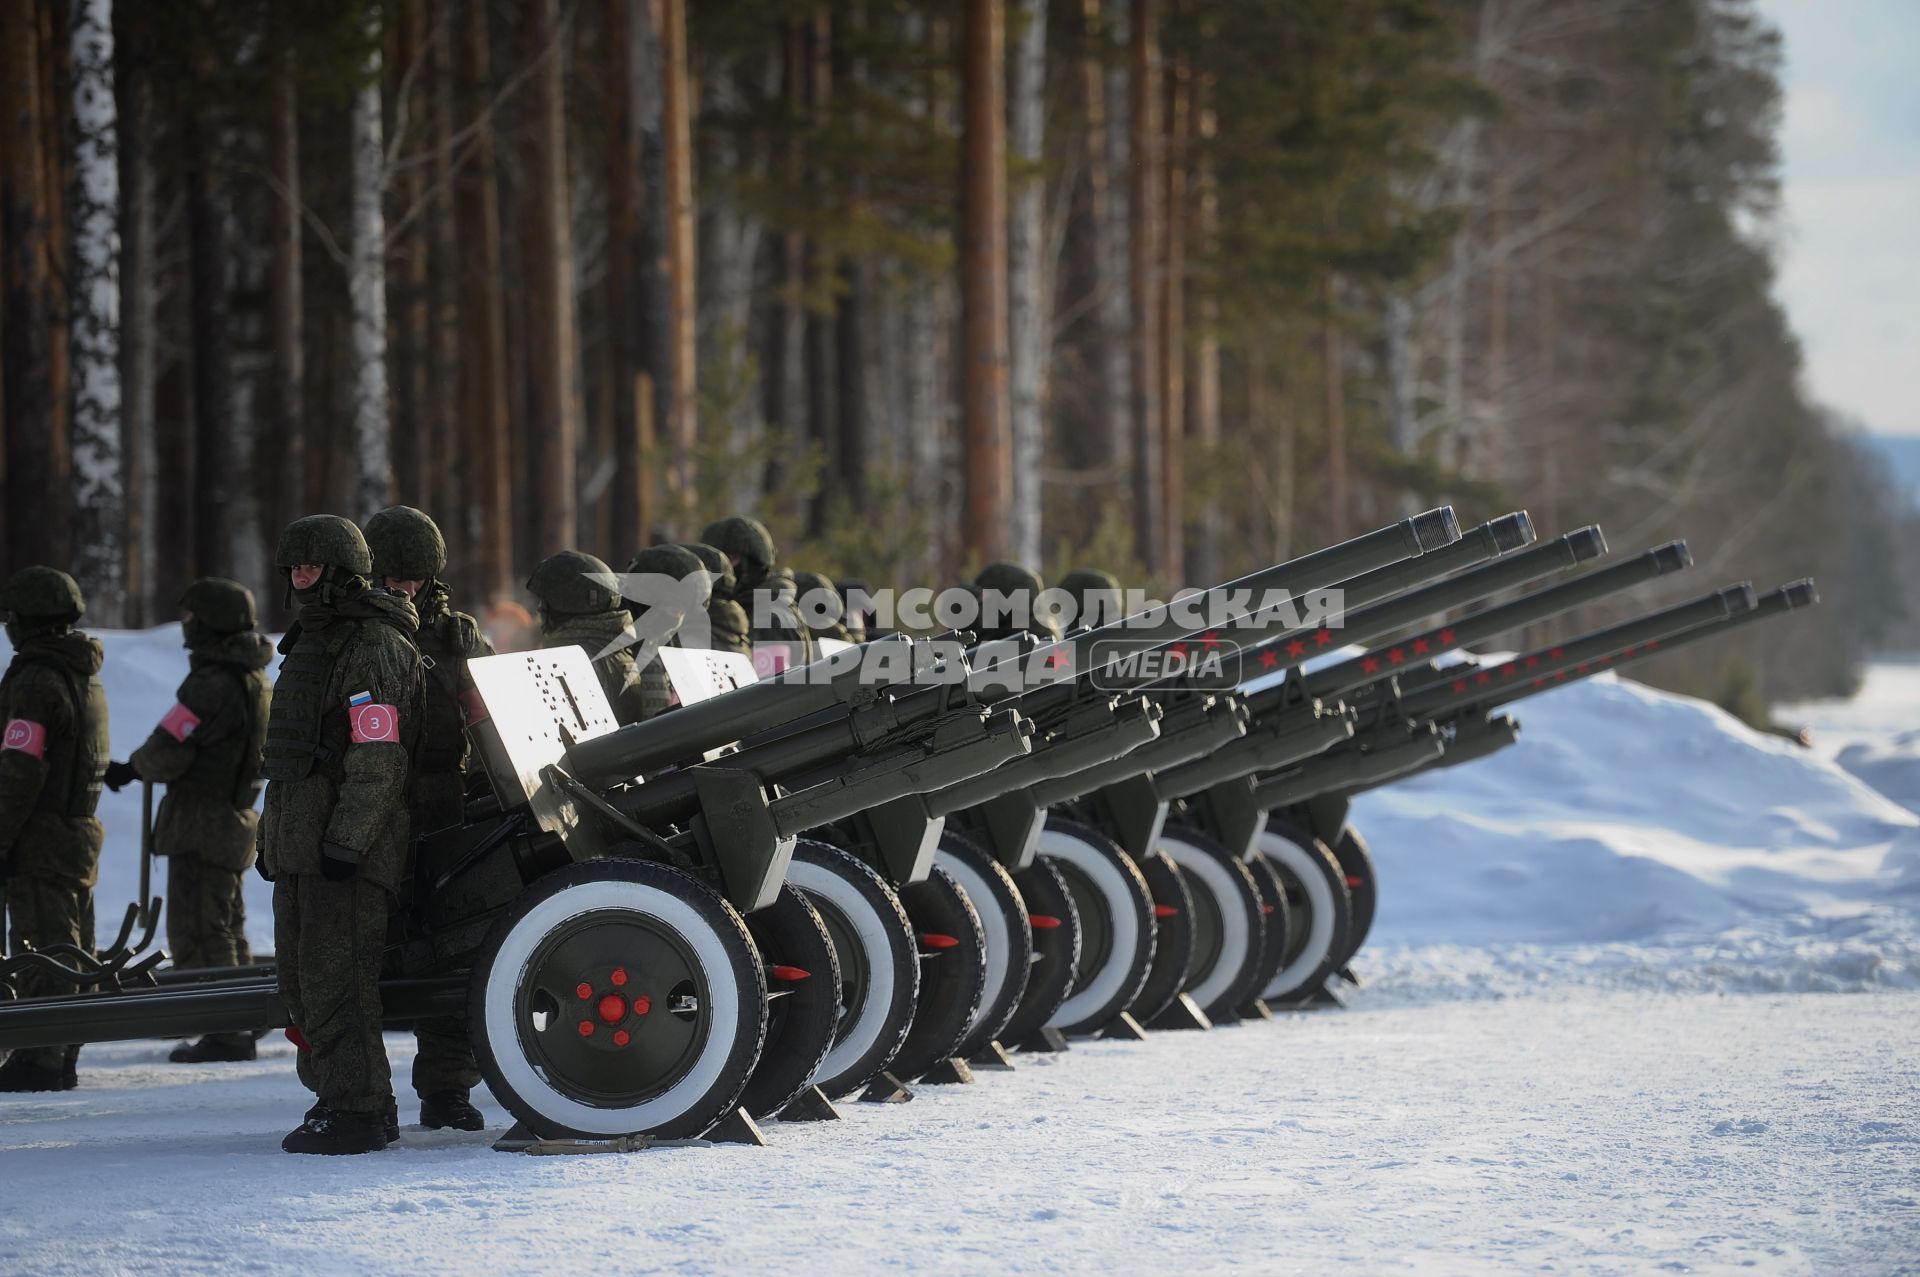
(328, 940)
(43, 912)
(207, 921)
(445, 1061)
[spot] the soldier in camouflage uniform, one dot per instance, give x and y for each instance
(1097, 599)
(580, 607)
(1021, 586)
(53, 753)
(409, 556)
(764, 590)
(814, 588)
(206, 751)
(346, 718)
(727, 627)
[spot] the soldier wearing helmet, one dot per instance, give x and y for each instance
(764, 590)
(346, 717)
(580, 606)
(53, 753)
(1009, 595)
(409, 558)
(1096, 595)
(727, 627)
(206, 751)
(668, 592)
(820, 606)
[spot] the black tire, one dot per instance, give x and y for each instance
(803, 1000)
(1116, 924)
(1363, 885)
(1056, 949)
(953, 971)
(1172, 937)
(1276, 931)
(1317, 899)
(665, 1035)
(874, 949)
(1009, 936)
(1228, 923)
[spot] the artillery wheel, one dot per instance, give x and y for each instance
(1277, 932)
(1056, 948)
(1116, 924)
(617, 997)
(1172, 937)
(1003, 917)
(953, 971)
(874, 949)
(1322, 912)
(1356, 862)
(803, 999)
(1227, 921)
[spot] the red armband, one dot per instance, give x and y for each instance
(180, 722)
(26, 736)
(374, 723)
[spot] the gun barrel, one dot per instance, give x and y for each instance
(1120, 729)
(1193, 727)
(1278, 740)
(1349, 769)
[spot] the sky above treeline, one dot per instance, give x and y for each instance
(1850, 234)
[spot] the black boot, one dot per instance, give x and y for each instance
(21, 1074)
(336, 1131)
(440, 1109)
(209, 1050)
(392, 1119)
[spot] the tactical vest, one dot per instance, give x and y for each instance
(443, 720)
(76, 760)
(303, 728)
(230, 769)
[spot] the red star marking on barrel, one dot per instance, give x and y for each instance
(1056, 659)
(1420, 646)
(1652, 643)
(1446, 637)
(1369, 665)
(1269, 659)
(1483, 678)
(1508, 669)
(1396, 656)
(1557, 653)
(1459, 685)
(1296, 649)
(1322, 637)
(1209, 640)
(1179, 650)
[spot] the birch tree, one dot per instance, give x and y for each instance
(367, 288)
(99, 475)
(1028, 340)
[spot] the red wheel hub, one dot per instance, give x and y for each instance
(613, 1008)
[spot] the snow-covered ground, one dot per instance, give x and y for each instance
(1600, 1033)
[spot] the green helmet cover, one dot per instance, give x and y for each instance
(406, 545)
(41, 593)
(218, 605)
(574, 583)
(327, 540)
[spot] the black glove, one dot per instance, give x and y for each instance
(260, 867)
(337, 863)
(119, 774)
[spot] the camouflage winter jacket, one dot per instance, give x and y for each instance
(635, 693)
(447, 641)
(207, 753)
(53, 754)
(352, 792)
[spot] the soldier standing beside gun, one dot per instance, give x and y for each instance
(765, 591)
(207, 753)
(409, 556)
(580, 607)
(727, 625)
(53, 752)
(346, 715)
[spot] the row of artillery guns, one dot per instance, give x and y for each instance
(916, 858)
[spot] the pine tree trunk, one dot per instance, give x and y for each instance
(985, 409)
(367, 293)
(137, 332)
(677, 203)
(1116, 271)
(1333, 411)
(99, 473)
(208, 250)
(31, 327)
(631, 512)
(483, 366)
(285, 296)
(1028, 315)
(1397, 329)
(732, 235)
(823, 422)
(1173, 334)
(552, 358)
(1203, 557)
(1145, 267)
(449, 475)
(416, 442)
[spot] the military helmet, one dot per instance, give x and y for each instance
(222, 606)
(327, 540)
(42, 593)
(1008, 578)
(714, 560)
(406, 544)
(1082, 584)
(574, 583)
(746, 539)
(805, 583)
(675, 561)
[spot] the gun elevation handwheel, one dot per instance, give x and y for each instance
(615, 998)
(873, 945)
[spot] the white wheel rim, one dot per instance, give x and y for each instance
(993, 922)
(1213, 876)
(863, 1032)
(1298, 861)
(1110, 881)
(509, 968)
